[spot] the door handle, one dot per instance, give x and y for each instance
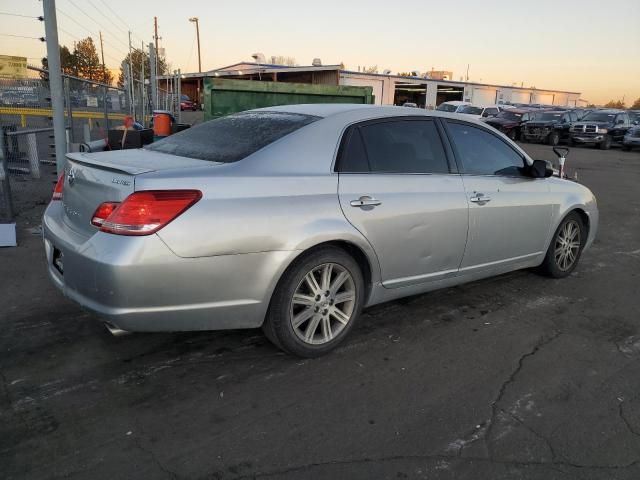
(480, 198)
(365, 201)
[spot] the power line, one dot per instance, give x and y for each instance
(97, 23)
(120, 18)
(42, 39)
(108, 18)
(41, 18)
(75, 37)
(117, 49)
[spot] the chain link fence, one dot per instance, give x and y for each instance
(27, 153)
(27, 158)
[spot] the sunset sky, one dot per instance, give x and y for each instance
(585, 46)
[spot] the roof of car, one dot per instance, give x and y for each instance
(325, 110)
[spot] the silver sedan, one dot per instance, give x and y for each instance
(295, 218)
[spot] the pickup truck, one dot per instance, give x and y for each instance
(549, 127)
(600, 127)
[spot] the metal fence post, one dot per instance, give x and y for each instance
(55, 81)
(67, 95)
(4, 173)
(106, 109)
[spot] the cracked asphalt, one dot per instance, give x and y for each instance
(513, 377)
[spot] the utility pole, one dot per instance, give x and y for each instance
(55, 82)
(195, 20)
(467, 78)
(142, 88)
(131, 78)
(104, 70)
(155, 31)
(153, 78)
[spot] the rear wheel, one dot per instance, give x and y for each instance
(316, 303)
(606, 143)
(565, 248)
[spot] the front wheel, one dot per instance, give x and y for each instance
(553, 139)
(606, 143)
(511, 134)
(316, 303)
(565, 248)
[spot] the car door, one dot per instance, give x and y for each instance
(397, 188)
(509, 212)
(621, 125)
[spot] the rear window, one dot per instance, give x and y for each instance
(232, 138)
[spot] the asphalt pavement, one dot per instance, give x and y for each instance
(513, 377)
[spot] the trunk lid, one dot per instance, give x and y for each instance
(94, 178)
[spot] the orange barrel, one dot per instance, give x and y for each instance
(162, 123)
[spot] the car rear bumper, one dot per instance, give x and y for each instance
(139, 284)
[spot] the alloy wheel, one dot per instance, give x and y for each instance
(567, 245)
(323, 304)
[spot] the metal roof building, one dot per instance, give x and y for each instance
(388, 89)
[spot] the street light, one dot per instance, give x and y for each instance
(195, 20)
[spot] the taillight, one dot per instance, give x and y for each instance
(146, 212)
(103, 212)
(57, 191)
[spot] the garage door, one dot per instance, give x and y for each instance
(483, 96)
(544, 98)
(520, 97)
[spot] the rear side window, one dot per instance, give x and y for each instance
(399, 146)
(232, 138)
(482, 153)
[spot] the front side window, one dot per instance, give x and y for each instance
(398, 146)
(482, 153)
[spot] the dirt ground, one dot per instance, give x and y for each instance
(513, 377)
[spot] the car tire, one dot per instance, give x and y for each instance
(565, 248)
(312, 312)
(511, 134)
(606, 143)
(626, 148)
(553, 139)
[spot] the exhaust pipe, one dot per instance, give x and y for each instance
(115, 331)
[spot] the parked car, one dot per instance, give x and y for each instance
(550, 127)
(410, 104)
(453, 106)
(12, 99)
(254, 220)
(600, 128)
(631, 139)
(477, 111)
(634, 116)
(187, 104)
(510, 121)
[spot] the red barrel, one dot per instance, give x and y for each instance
(162, 123)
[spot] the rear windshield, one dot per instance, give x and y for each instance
(598, 117)
(471, 110)
(549, 116)
(447, 107)
(509, 115)
(232, 138)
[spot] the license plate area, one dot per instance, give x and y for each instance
(58, 260)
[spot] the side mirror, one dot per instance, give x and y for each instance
(541, 169)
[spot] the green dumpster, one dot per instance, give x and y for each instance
(223, 97)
